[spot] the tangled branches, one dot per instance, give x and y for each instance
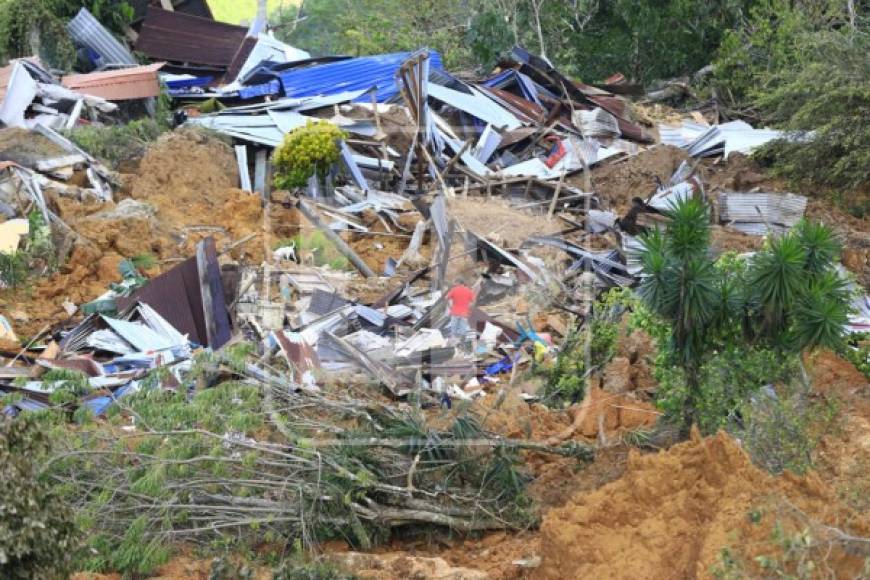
(252, 459)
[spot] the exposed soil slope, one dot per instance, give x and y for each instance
(672, 513)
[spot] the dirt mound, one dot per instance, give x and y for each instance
(843, 454)
(401, 566)
(26, 148)
(512, 417)
(618, 182)
(185, 190)
(496, 219)
(675, 511)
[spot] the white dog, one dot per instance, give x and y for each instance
(286, 253)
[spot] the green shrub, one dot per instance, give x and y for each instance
(824, 100)
(780, 432)
(26, 24)
(585, 350)
(115, 144)
(306, 151)
(37, 536)
(857, 351)
(13, 269)
(728, 379)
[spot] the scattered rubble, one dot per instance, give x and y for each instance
(526, 189)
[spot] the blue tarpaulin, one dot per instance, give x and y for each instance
(270, 88)
(186, 83)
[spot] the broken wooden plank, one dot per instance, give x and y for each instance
(340, 244)
(244, 172)
(381, 372)
(556, 196)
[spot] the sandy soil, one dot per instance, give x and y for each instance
(185, 190)
(674, 511)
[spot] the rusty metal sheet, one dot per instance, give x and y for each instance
(526, 110)
(298, 353)
(177, 297)
(138, 82)
(188, 39)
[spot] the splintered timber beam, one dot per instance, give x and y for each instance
(384, 374)
(340, 244)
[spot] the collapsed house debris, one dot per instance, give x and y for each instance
(422, 145)
(525, 189)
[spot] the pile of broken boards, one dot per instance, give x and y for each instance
(393, 325)
(159, 324)
(413, 126)
(35, 165)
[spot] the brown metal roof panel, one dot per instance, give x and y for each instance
(529, 111)
(183, 38)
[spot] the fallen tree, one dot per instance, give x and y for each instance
(255, 459)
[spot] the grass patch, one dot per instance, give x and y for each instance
(239, 11)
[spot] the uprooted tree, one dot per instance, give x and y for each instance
(254, 459)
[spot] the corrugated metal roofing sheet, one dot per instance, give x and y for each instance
(118, 85)
(348, 75)
(87, 31)
(752, 211)
(188, 39)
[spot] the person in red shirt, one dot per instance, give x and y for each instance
(460, 298)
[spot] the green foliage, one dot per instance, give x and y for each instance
(29, 27)
(583, 351)
(241, 11)
(488, 37)
(824, 99)
(37, 534)
(136, 552)
(727, 380)
(645, 39)
(363, 27)
(322, 248)
(306, 151)
(762, 42)
(681, 287)
(66, 386)
(115, 144)
(13, 269)
(725, 316)
(144, 261)
(802, 300)
(296, 569)
(36, 256)
(857, 351)
(781, 432)
(799, 548)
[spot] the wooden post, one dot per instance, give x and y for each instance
(340, 244)
(205, 289)
(556, 196)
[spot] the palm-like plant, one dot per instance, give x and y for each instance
(790, 292)
(680, 284)
(777, 279)
(803, 300)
